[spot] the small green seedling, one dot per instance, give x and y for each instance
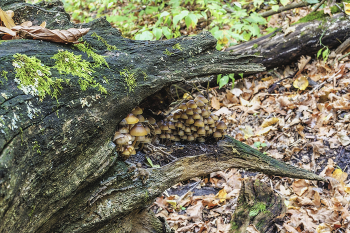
(259, 145)
(150, 163)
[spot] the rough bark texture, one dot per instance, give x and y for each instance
(257, 205)
(278, 49)
(59, 171)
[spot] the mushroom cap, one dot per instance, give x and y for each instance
(157, 130)
(168, 136)
(202, 98)
(191, 104)
(201, 131)
(171, 125)
(131, 119)
(181, 133)
(195, 135)
(197, 110)
(177, 139)
(151, 120)
(206, 127)
(184, 137)
(190, 138)
(184, 116)
(179, 124)
(221, 125)
(183, 106)
(138, 130)
(196, 116)
(189, 111)
(162, 135)
(117, 135)
(215, 117)
(141, 118)
(199, 123)
(123, 123)
(147, 129)
(137, 111)
(189, 121)
(200, 103)
(187, 130)
(210, 120)
(210, 131)
(205, 113)
(172, 137)
(164, 126)
(200, 139)
(193, 128)
(124, 129)
(217, 134)
(177, 115)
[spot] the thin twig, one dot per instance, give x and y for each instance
(285, 8)
(318, 6)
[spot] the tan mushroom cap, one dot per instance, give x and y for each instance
(141, 118)
(191, 104)
(221, 125)
(200, 139)
(201, 131)
(199, 123)
(200, 103)
(164, 127)
(123, 123)
(183, 106)
(124, 129)
(131, 119)
(171, 125)
(157, 130)
(196, 116)
(210, 120)
(217, 134)
(215, 117)
(201, 98)
(137, 111)
(138, 130)
(189, 111)
(151, 120)
(190, 138)
(189, 121)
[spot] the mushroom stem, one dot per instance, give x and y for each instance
(133, 144)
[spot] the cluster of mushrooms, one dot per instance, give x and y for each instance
(190, 121)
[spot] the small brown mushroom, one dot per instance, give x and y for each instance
(137, 131)
(202, 98)
(191, 104)
(137, 111)
(221, 125)
(131, 119)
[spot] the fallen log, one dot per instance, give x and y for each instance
(59, 171)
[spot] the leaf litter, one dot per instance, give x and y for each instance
(307, 127)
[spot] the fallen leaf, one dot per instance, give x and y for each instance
(8, 31)
(347, 8)
(215, 103)
(301, 83)
(236, 91)
(247, 130)
(222, 195)
(6, 18)
(268, 122)
(70, 35)
(343, 138)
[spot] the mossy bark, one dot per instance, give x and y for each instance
(59, 171)
(257, 205)
(277, 49)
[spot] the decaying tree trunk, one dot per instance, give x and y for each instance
(59, 171)
(277, 49)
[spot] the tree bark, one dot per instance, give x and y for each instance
(59, 171)
(277, 49)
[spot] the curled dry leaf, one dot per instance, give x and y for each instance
(60, 36)
(269, 122)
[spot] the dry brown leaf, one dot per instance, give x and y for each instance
(27, 24)
(215, 103)
(300, 186)
(195, 211)
(6, 18)
(8, 31)
(59, 36)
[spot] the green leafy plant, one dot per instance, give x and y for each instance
(150, 163)
(259, 145)
(223, 80)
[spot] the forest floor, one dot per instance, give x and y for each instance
(303, 121)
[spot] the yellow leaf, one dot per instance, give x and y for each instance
(43, 24)
(267, 78)
(186, 96)
(172, 203)
(223, 41)
(347, 8)
(222, 195)
(264, 130)
(301, 83)
(339, 175)
(6, 19)
(247, 130)
(268, 122)
(347, 188)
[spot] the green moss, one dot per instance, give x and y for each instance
(86, 48)
(109, 47)
(317, 15)
(69, 63)
(257, 208)
(4, 74)
(257, 53)
(255, 46)
(166, 52)
(130, 79)
(234, 226)
(34, 78)
(177, 46)
(36, 147)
